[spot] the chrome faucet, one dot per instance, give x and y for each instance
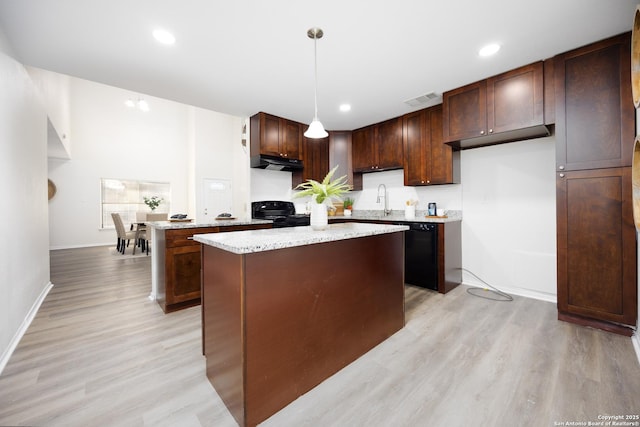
(386, 210)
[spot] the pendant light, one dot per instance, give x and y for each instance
(316, 130)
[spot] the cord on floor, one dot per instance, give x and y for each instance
(496, 294)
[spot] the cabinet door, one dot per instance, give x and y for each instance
(440, 163)
(316, 159)
(596, 245)
(415, 141)
(465, 112)
(182, 274)
(363, 154)
(515, 100)
(269, 134)
(290, 139)
(388, 141)
(595, 120)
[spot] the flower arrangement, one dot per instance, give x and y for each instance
(153, 202)
(411, 202)
(325, 191)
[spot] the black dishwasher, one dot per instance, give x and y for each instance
(421, 255)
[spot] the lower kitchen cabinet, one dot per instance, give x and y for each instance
(178, 262)
(596, 237)
(447, 260)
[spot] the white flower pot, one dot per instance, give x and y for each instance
(319, 220)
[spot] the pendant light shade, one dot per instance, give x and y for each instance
(316, 130)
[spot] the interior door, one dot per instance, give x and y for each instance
(217, 196)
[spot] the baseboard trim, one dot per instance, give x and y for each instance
(24, 326)
(635, 339)
(88, 245)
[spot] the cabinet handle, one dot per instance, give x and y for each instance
(561, 175)
(481, 132)
(561, 167)
(490, 130)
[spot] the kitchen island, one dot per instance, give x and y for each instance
(284, 309)
(175, 258)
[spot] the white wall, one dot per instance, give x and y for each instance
(172, 143)
(54, 90)
(270, 185)
(111, 140)
(218, 154)
(507, 198)
(509, 216)
(24, 254)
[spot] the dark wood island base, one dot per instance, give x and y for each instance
(277, 323)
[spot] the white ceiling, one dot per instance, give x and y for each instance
(244, 56)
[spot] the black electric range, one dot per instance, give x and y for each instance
(283, 214)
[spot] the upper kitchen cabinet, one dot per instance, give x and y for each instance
(378, 147)
(275, 136)
(595, 120)
(503, 108)
(427, 159)
(315, 157)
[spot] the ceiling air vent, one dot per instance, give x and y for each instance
(430, 98)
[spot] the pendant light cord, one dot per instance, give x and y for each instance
(315, 72)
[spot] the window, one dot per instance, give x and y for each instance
(126, 197)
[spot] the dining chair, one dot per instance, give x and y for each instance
(124, 236)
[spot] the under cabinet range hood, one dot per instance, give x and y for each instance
(276, 163)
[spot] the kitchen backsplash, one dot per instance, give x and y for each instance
(276, 185)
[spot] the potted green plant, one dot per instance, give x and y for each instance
(348, 206)
(322, 194)
(153, 202)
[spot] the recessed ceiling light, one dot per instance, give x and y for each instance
(345, 107)
(164, 36)
(489, 49)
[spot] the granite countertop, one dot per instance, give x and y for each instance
(250, 241)
(169, 225)
(398, 216)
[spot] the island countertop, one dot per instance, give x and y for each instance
(176, 225)
(251, 241)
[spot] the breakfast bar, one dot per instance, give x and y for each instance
(284, 309)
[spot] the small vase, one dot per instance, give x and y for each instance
(319, 220)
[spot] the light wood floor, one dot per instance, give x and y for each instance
(99, 353)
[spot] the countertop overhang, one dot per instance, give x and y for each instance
(251, 241)
(169, 225)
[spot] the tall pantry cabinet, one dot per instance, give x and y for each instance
(596, 238)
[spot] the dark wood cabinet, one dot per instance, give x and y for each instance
(340, 154)
(179, 264)
(595, 124)
(427, 159)
(449, 250)
(315, 158)
(378, 147)
(363, 149)
(275, 136)
(503, 108)
(596, 241)
(596, 237)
